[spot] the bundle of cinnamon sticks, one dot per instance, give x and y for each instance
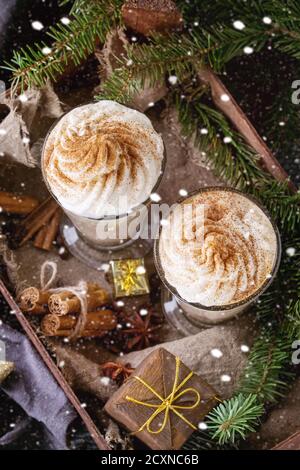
(42, 224)
(98, 324)
(61, 310)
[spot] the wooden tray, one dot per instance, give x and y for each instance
(93, 430)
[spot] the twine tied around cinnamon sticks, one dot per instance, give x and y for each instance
(34, 300)
(79, 291)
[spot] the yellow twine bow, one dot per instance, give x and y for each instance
(167, 404)
(130, 277)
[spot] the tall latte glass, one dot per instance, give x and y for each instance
(218, 250)
(101, 161)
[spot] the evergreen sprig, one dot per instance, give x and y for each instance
(268, 373)
(234, 418)
(283, 205)
(149, 64)
(291, 321)
(71, 43)
(177, 55)
(235, 161)
(221, 39)
(292, 324)
(265, 374)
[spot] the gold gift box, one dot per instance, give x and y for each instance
(130, 277)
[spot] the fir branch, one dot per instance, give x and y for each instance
(269, 308)
(286, 26)
(207, 13)
(149, 64)
(284, 31)
(274, 308)
(288, 42)
(282, 205)
(216, 45)
(292, 323)
(235, 161)
(265, 379)
(71, 44)
(265, 374)
(177, 55)
(81, 5)
(234, 418)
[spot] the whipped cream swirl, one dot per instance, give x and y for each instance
(220, 255)
(102, 159)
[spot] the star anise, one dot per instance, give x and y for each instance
(117, 371)
(141, 333)
(156, 316)
(134, 330)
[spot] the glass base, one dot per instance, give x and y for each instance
(175, 315)
(96, 257)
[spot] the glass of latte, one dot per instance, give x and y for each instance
(101, 162)
(218, 250)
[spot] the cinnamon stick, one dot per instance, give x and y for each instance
(40, 237)
(37, 219)
(34, 301)
(98, 323)
(227, 104)
(65, 302)
(22, 205)
(47, 234)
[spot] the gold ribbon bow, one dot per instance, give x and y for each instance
(167, 404)
(130, 278)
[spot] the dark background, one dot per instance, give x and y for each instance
(16, 17)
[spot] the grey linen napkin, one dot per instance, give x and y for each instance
(34, 388)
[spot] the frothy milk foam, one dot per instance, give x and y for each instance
(231, 259)
(97, 154)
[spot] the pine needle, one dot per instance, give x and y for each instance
(70, 44)
(234, 418)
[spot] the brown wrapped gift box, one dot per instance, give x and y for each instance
(158, 370)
